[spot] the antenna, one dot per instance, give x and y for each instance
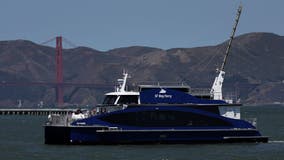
(232, 36)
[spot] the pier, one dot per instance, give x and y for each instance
(35, 111)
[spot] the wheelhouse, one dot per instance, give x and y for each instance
(116, 98)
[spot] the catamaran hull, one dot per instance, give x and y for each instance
(97, 135)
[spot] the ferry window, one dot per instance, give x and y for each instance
(128, 99)
(122, 118)
(109, 99)
(164, 119)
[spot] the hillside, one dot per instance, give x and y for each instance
(255, 69)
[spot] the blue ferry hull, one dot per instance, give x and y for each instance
(93, 135)
(152, 124)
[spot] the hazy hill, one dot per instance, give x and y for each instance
(255, 69)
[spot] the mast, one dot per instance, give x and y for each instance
(232, 36)
(122, 83)
(216, 89)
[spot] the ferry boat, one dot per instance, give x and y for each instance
(154, 114)
(157, 114)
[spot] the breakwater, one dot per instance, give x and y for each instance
(34, 111)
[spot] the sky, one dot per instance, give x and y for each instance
(109, 24)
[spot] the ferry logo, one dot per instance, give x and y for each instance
(162, 94)
(162, 91)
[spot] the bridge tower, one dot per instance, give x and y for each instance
(59, 71)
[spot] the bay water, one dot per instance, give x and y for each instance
(22, 137)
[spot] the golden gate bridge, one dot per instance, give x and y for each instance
(59, 83)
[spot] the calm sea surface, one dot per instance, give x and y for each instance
(22, 138)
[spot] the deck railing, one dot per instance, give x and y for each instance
(200, 91)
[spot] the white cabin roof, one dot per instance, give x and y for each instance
(126, 93)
